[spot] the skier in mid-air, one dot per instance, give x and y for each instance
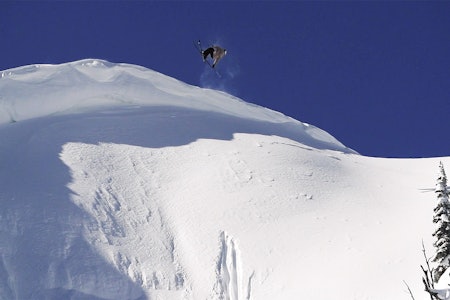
(216, 53)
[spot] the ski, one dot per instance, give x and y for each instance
(198, 46)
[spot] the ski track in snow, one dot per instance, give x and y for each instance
(118, 182)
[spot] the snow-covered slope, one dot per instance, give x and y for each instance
(118, 182)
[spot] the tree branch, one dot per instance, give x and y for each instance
(427, 260)
(409, 290)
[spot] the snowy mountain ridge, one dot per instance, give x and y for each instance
(118, 182)
(94, 83)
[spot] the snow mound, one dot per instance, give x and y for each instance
(118, 182)
(90, 85)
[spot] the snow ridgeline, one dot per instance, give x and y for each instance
(43, 90)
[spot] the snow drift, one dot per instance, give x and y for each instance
(118, 182)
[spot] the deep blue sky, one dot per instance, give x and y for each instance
(376, 75)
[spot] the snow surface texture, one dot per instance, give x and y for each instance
(118, 182)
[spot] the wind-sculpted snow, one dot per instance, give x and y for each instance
(117, 182)
(89, 85)
(228, 284)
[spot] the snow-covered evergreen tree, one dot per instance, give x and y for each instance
(442, 220)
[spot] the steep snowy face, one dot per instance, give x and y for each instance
(88, 85)
(93, 158)
(117, 182)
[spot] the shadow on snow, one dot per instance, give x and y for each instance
(43, 252)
